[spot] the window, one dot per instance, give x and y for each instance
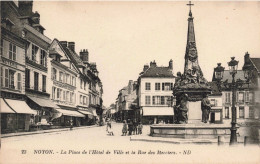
(251, 97)
(166, 86)
(53, 93)
(162, 100)
(147, 86)
(147, 100)
(2, 76)
(81, 84)
(241, 112)
(213, 102)
(246, 96)
(169, 100)
(27, 78)
(70, 96)
(36, 81)
(12, 51)
(156, 100)
(43, 83)
(85, 84)
(157, 86)
(171, 86)
(81, 99)
(227, 97)
(64, 95)
(11, 79)
(6, 78)
(251, 112)
(54, 74)
(58, 93)
(34, 52)
(226, 112)
(67, 95)
(73, 81)
(1, 47)
(61, 77)
(84, 100)
(241, 97)
(43, 58)
(19, 81)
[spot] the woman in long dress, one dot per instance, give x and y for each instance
(124, 130)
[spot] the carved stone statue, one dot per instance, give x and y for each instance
(180, 110)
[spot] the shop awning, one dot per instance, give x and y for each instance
(20, 107)
(94, 111)
(43, 102)
(85, 112)
(70, 112)
(157, 111)
(4, 107)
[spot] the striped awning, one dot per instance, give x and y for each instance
(4, 107)
(20, 107)
(70, 113)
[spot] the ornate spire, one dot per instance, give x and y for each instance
(192, 68)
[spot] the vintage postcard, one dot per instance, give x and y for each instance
(130, 82)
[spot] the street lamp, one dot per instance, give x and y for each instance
(233, 70)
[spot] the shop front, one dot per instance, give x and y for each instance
(68, 114)
(15, 115)
(89, 116)
(157, 115)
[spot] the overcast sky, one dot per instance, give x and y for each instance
(123, 36)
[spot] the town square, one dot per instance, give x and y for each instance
(113, 82)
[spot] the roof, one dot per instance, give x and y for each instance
(158, 72)
(73, 56)
(227, 76)
(256, 62)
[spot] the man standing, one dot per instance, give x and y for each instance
(205, 107)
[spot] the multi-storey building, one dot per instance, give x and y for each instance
(155, 98)
(15, 113)
(63, 85)
(246, 94)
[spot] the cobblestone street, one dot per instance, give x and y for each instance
(95, 141)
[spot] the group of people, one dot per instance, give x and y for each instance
(132, 127)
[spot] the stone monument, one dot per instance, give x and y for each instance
(190, 87)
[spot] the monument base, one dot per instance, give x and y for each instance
(205, 131)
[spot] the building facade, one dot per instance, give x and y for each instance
(154, 89)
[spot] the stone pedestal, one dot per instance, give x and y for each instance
(194, 112)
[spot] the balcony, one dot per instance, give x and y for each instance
(35, 64)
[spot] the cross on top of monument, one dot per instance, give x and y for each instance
(190, 4)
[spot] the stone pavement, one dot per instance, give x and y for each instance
(44, 131)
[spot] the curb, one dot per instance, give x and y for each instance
(44, 131)
(174, 142)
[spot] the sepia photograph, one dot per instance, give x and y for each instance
(130, 82)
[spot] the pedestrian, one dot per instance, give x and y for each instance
(140, 128)
(109, 128)
(134, 127)
(130, 127)
(71, 124)
(124, 130)
(205, 107)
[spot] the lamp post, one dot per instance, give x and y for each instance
(218, 74)
(233, 70)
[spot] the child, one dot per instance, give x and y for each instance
(124, 130)
(140, 128)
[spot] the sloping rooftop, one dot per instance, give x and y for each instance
(256, 62)
(227, 76)
(158, 72)
(73, 56)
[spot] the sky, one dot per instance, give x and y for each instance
(122, 37)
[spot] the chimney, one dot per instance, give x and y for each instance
(25, 7)
(71, 46)
(153, 64)
(130, 86)
(64, 43)
(170, 64)
(36, 17)
(246, 58)
(145, 67)
(84, 55)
